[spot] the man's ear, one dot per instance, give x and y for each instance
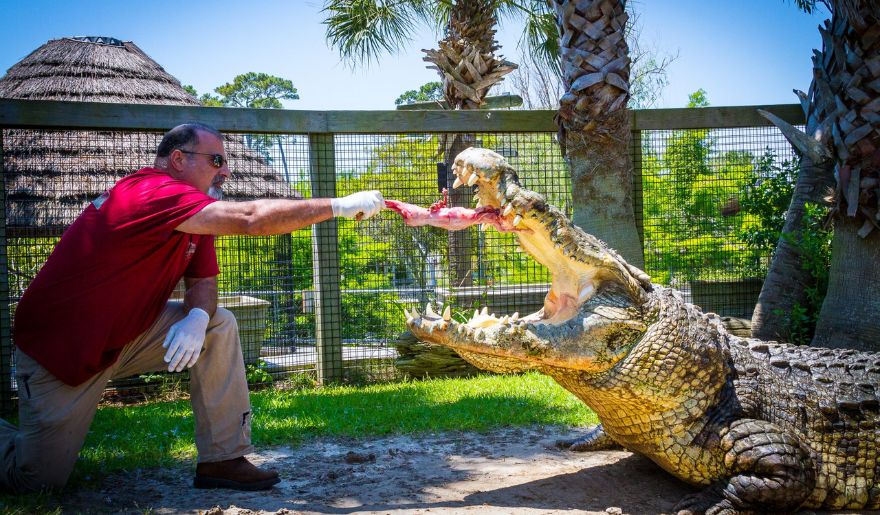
(175, 160)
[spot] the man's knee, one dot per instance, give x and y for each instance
(223, 320)
(222, 333)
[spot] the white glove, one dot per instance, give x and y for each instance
(359, 206)
(185, 339)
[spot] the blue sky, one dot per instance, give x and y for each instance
(742, 53)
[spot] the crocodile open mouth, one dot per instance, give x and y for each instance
(592, 288)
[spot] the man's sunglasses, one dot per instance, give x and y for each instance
(217, 160)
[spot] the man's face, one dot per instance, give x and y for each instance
(197, 165)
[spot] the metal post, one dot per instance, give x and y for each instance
(325, 258)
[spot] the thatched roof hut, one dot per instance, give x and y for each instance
(52, 175)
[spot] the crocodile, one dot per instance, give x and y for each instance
(760, 426)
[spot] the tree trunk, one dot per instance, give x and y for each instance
(850, 316)
(787, 280)
(593, 122)
(461, 243)
(466, 61)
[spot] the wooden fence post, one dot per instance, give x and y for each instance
(325, 259)
(6, 347)
(638, 186)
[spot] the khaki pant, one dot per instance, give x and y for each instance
(54, 417)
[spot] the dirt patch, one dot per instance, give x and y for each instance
(510, 471)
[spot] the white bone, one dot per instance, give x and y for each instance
(457, 183)
(447, 314)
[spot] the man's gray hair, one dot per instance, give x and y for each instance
(183, 135)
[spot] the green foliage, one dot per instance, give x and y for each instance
(432, 91)
(207, 100)
(763, 204)
(256, 263)
(814, 246)
(25, 257)
(698, 98)
(766, 200)
(257, 373)
(257, 90)
(691, 193)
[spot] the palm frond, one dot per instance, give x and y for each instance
(541, 39)
(362, 30)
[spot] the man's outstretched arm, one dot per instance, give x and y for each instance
(279, 216)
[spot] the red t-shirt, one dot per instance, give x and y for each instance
(110, 275)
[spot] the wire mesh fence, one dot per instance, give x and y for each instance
(326, 302)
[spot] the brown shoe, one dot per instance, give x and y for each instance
(235, 474)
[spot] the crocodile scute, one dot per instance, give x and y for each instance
(761, 426)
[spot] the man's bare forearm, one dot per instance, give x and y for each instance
(258, 217)
(201, 293)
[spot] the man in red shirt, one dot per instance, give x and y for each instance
(98, 310)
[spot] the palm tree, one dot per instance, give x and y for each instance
(593, 121)
(362, 30)
(843, 146)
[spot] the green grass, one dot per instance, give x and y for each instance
(161, 434)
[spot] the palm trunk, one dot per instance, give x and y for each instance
(593, 121)
(785, 286)
(467, 63)
(849, 317)
(849, 314)
(787, 280)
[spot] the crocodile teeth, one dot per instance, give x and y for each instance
(507, 210)
(516, 220)
(499, 196)
(472, 180)
(479, 204)
(483, 227)
(476, 313)
(514, 317)
(457, 183)
(504, 319)
(429, 311)
(447, 314)
(485, 311)
(585, 292)
(415, 313)
(430, 328)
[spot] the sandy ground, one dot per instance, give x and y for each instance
(510, 471)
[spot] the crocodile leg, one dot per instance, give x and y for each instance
(769, 471)
(596, 439)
